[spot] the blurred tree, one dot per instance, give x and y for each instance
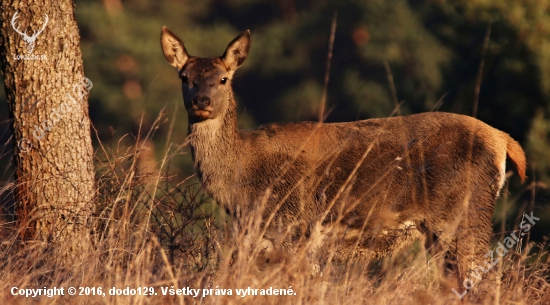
(47, 97)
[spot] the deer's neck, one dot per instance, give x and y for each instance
(216, 150)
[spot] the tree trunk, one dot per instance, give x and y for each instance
(48, 102)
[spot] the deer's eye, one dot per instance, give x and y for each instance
(223, 81)
(183, 78)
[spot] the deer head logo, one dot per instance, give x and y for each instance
(28, 39)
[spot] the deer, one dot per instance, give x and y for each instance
(369, 187)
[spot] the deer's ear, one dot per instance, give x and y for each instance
(237, 51)
(173, 48)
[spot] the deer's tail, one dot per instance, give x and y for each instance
(517, 155)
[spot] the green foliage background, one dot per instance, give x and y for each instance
(433, 47)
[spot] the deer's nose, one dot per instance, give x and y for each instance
(201, 101)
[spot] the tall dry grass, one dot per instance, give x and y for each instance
(155, 232)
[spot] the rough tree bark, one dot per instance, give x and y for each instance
(48, 102)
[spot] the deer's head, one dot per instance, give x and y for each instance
(206, 82)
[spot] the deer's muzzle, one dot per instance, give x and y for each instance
(201, 107)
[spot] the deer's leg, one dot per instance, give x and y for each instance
(475, 265)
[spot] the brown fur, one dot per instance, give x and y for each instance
(370, 186)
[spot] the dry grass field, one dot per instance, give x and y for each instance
(159, 241)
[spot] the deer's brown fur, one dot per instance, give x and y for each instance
(375, 184)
